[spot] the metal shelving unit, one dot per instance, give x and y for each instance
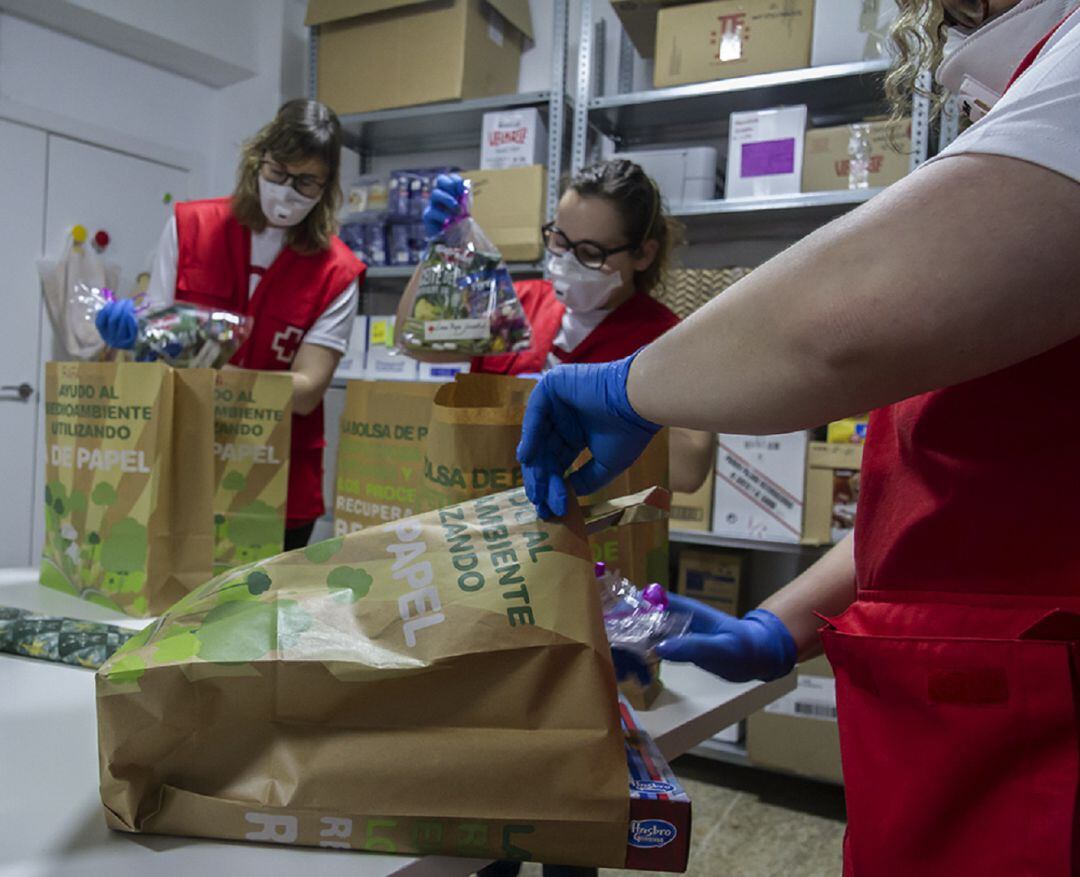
(688, 537)
(458, 124)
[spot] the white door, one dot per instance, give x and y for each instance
(22, 213)
(128, 197)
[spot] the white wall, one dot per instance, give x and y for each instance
(60, 75)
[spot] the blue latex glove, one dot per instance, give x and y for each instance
(572, 408)
(444, 204)
(756, 646)
(117, 324)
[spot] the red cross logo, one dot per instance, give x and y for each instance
(286, 343)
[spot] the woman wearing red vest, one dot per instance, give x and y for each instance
(607, 250)
(271, 251)
(951, 305)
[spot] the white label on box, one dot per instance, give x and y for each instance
(765, 152)
(477, 329)
(760, 482)
(814, 697)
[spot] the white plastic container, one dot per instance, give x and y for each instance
(845, 31)
(441, 372)
(765, 152)
(683, 175)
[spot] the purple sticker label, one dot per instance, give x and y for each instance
(768, 157)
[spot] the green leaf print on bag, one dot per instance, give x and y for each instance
(103, 494)
(234, 481)
(321, 552)
(348, 583)
(123, 556)
(246, 631)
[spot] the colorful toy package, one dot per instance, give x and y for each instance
(60, 639)
(187, 336)
(464, 298)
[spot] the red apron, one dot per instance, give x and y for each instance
(213, 270)
(957, 667)
(638, 321)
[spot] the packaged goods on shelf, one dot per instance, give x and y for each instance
(513, 138)
(682, 175)
(829, 155)
(765, 152)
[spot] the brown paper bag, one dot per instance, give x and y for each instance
(640, 552)
(129, 482)
(471, 445)
(440, 684)
(252, 432)
(380, 457)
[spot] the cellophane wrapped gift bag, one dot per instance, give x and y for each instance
(437, 684)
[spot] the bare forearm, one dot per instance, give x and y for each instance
(827, 587)
(312, 371)
(692, 454)
(914, 290)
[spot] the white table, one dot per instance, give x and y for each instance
(51, 822)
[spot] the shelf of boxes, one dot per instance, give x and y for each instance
(451, 124)
(687, 537)
(832, 94)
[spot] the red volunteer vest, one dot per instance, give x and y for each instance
(957, 666)
(213, 269)
(636, 322)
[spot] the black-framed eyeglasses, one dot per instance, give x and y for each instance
(307, 185)
(965, 13)
(589, 253)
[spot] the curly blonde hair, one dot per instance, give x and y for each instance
(302, 129)
(917, 37)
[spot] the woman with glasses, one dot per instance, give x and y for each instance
(271, 251)
(950, 305)
(607, 249)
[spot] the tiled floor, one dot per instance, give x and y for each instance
(753, 823)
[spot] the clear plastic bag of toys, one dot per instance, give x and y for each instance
(464, 298)
(637, 620)
(187, 336)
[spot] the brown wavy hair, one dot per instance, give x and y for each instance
(636, 198)
(302, 129)
(917, 37)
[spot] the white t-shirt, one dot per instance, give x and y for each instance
(1038, 118)
(331, 329)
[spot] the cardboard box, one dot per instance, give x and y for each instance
(683, 175)
(730, 38)
(693, 511)
(638, 18)
(760, 486)
(826, 157)
(832, 491)
(352, 363)
(513, 138)
(798, 733)
(369, 50)
(846, 31)
(383, 361)
(715, 577)
(765, 152)
(509, 205)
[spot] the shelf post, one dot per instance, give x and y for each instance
(581, 97)
(557, 108)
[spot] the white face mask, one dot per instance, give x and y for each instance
(580, 289)
(979, 63)
(283, 205)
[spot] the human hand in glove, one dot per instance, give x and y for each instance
(445, 203)
(575, 407)
(756, 646)
(117, 324)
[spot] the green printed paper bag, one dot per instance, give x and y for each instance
(440, 684)
(471, 445)
(381, 452)
(252, 431)
(129, 482)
